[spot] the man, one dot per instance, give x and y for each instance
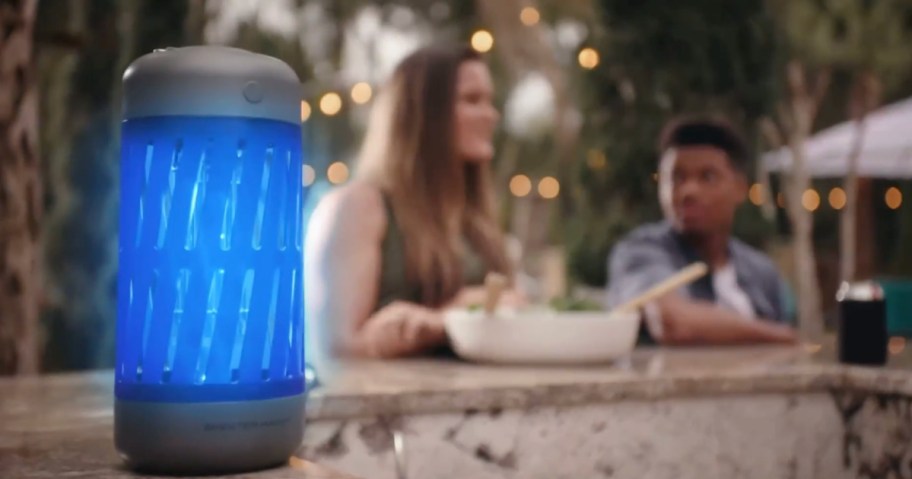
(701, 184)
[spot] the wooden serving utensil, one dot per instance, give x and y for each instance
(494, 285)
(686, 276)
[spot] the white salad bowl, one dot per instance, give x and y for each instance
(541, 336)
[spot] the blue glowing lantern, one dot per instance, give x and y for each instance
(210, 346)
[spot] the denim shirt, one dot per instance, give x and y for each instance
(653, 252)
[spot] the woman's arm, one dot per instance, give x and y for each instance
(342, 272)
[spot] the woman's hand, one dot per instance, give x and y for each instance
(401, 329)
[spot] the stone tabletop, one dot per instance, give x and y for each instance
(355, 389)
(58, 425)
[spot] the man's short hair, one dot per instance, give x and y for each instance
(697, 131)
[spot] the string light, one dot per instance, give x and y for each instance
(588, 58)
(837, 198)
(305, 111)
(337, 173)
(756, 194)
(308, 175)
(893, 198)
(548, 187)
(596, 160)
(520, 185)
(361, 93)
(810, 200)
(529, 16)
(330, 104)
(482, 41)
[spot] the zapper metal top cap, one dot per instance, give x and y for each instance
(211, 81)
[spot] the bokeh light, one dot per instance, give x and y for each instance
(482, 41)
(810, 200)
(330, 104)
(837, 198)
(361, 93)
(520, 185)
(308, 175)
(305, 110)
(529, 16)
(548, 187)
(595, 159)
(337, 173)
(588, 58)
(756, 194)
(893, 197)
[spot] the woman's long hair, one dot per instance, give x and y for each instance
(438, 199)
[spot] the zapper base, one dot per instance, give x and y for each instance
(208, 438)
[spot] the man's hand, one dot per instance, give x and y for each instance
(781, 333)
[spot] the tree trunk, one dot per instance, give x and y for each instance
(797, 118)
(56, 67)
(848, 240)
(768, 205)
(865, 231)
(864, 97)
(20, 193)
(810, 315)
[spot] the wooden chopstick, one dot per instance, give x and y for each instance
(687, 275)
(494, 284)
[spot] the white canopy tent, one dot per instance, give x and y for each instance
(886, 150)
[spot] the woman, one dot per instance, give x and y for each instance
(415, 232)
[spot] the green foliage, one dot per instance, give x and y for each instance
(848, 37)
(589, 244)
(575, 304)
(848, 34)
(692, 55)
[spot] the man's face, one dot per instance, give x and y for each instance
(699, 189)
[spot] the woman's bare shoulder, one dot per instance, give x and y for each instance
(357, 204)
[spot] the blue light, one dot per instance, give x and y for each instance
(210, 282)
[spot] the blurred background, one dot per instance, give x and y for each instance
(818, 87)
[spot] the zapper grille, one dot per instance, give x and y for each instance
(209, 293)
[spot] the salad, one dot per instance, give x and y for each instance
(563, 304)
